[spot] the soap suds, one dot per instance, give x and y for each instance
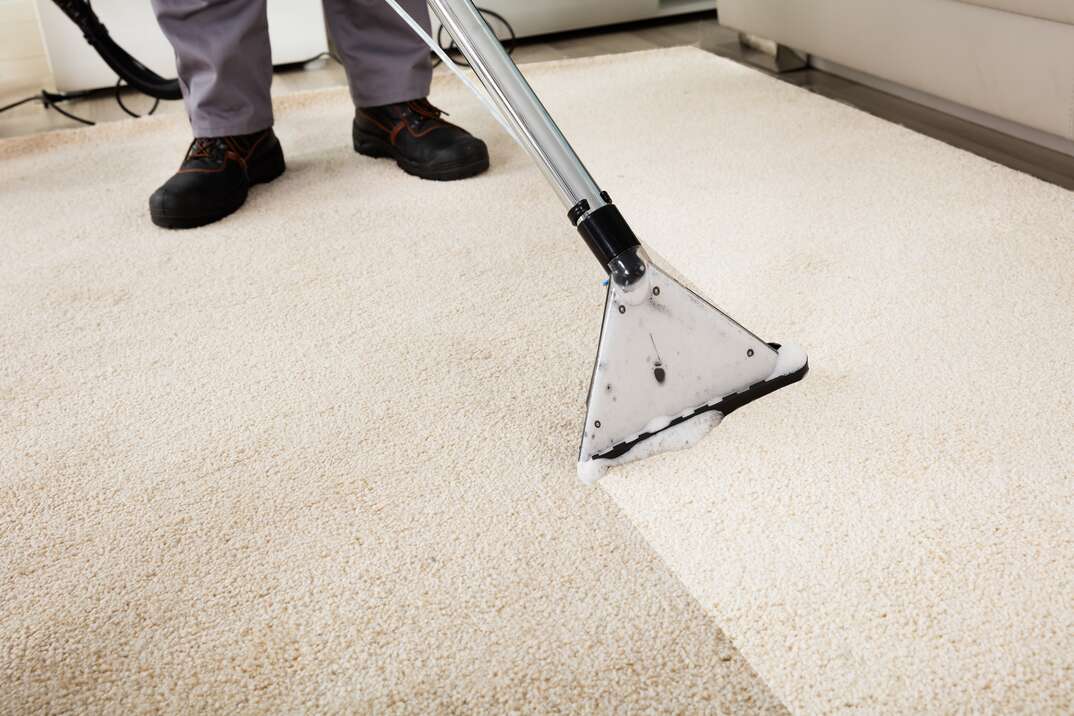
(684, 435)
(790, 358)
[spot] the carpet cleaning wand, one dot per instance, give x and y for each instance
(669, 365)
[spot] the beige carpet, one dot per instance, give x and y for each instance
(320, 456)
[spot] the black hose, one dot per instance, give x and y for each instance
(452, 49)
(128, 110)
(133, 72)
(23, 101)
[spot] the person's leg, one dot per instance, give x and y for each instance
(389, 72)
(224, 64)
(224, 61)
(385, 61)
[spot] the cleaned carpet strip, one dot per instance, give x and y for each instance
(320, 456)
(895, 533)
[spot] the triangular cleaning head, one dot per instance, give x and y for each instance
(669, 366)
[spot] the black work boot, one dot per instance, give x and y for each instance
(421, 143)
(214, 178)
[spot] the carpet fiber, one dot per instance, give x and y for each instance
(320, 456)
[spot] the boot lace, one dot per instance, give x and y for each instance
(420, 112)
(213, 148)
(426, 108)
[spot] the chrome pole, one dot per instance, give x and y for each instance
(512, 94)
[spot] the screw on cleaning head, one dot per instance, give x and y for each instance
(658, 367)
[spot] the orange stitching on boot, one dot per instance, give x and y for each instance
(254, 145)
(229, 155)
(374, 120)
(426, 130)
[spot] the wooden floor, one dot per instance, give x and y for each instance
(700, 30)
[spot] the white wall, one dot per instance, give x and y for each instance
(23, 66)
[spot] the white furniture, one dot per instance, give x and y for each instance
(1007, 64)
(540, 17)
(296, 30)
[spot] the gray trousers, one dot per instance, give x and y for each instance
(225, 64)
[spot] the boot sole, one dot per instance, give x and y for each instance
(265, 171)
(379, 149)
